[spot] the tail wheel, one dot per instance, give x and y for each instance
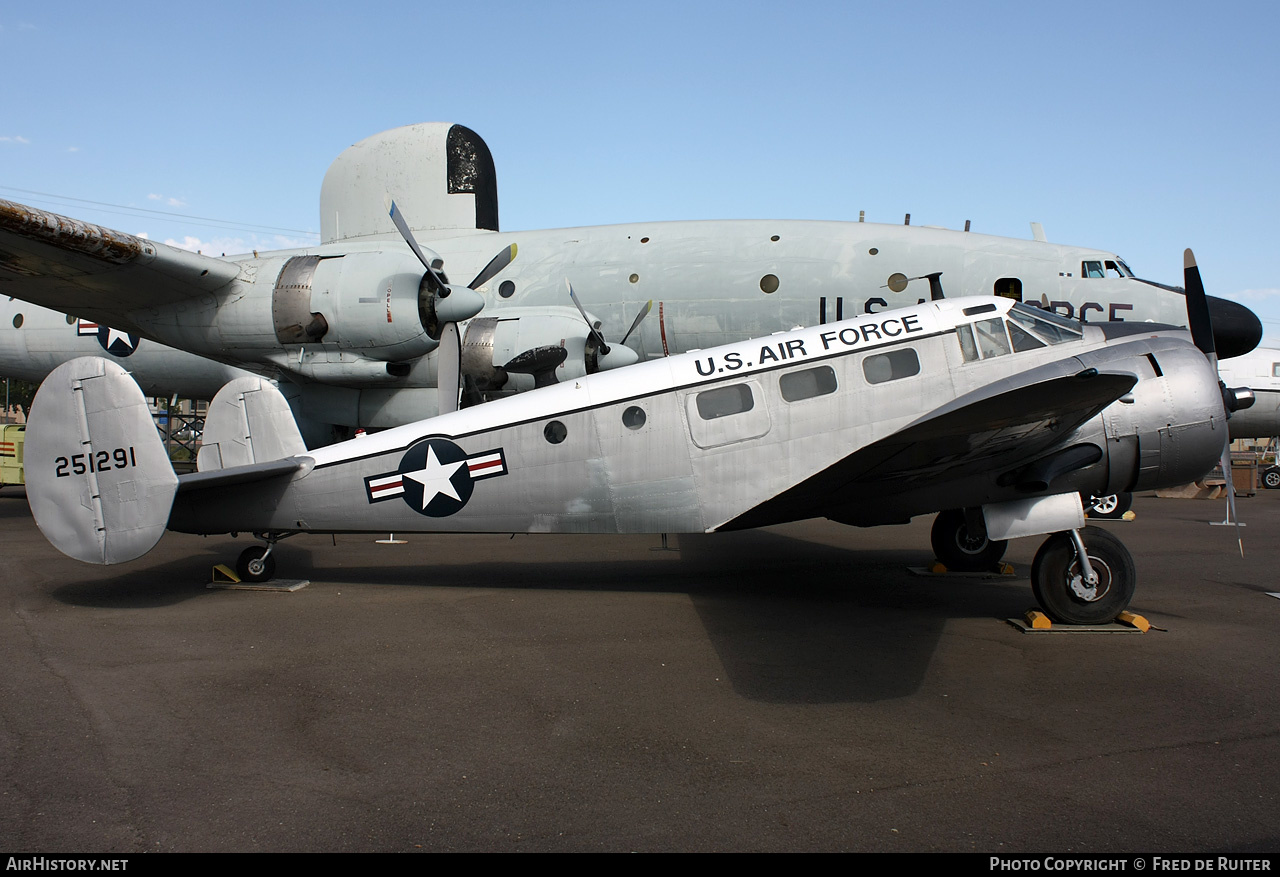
(1060, 586)
(958, 549)
(255, 565)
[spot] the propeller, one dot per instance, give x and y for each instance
(442, 306)
(607, 357)
(1200, 323)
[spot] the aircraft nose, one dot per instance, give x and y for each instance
(1236, 329)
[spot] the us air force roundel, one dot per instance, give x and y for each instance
(113, 341)
(436, 477)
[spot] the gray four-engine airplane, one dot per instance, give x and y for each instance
(360, 329)
(998, 413)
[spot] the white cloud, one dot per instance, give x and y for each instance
(14, 139)
(236, 246)
(73, 149)
(170, 202)
(1258, 294)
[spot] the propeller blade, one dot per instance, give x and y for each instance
(496, 264)
(1198, 319)
(644, 312)
(448, 366)
(403, 227)
(600, 342)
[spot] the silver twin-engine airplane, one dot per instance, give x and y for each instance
(366, 328)
(995, 412)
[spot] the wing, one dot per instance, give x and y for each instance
(982, 435)
(95, 272)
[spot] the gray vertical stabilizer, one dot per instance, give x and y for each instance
(99, 481)
(248, 422)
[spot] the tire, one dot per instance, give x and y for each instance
(1113, 506)
(1271, 478)
(1055, 568)
(251, 566)
(958, 551)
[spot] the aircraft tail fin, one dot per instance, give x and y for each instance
(248, 422)
(99, 481)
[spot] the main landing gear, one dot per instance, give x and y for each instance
(962, 545)
(1083, 576)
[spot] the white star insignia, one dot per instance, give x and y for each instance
(114, 335)
(436, 478)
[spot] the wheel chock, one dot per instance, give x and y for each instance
(225, 575)
(1133, 620)
(1037, 620)
(1129, 516)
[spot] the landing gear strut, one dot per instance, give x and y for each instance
(962, 547)
(1083, 577)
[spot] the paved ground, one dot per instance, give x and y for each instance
(789, 689)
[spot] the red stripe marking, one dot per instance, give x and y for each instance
(390, 486)
(662, 328)
(476, 467)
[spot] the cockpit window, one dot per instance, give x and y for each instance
(1091, 269)
(1104, 268)
(1124, 268)
(1045, 325)
(1022, 339)
(1275, 369)
(992, 340)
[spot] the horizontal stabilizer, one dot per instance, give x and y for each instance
(99, 481)
(239, 474)
(248, 422)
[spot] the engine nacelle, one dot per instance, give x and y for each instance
(492, 342)
(365, 302)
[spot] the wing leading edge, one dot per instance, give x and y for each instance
(96, 272)
(981, 435)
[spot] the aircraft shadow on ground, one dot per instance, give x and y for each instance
(792, 621)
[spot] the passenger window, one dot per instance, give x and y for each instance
(1275, 369)
(991, 338)
(891, 366)
(967, 345)
(808, 383)
(1091, 269)
(723, 401)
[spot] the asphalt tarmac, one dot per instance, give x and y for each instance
(780, 690)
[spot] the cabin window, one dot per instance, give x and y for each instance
(17, 321)
(808, 383)
(891, 366)
(634, 417)
(1275, 369)
(992, 340)
(555, 432)
(723, 401)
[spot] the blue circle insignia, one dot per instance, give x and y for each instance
(437, 482)
(117, 343)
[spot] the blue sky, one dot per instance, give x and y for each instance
(1138, 127)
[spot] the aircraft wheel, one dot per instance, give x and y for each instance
(251, 566)
(1271, 478)
(1060, 587)
(1113, 506)
(958, 550)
